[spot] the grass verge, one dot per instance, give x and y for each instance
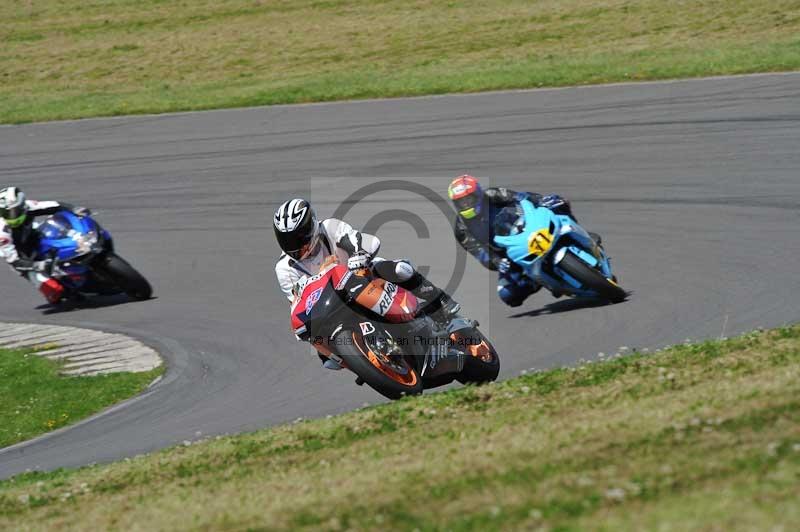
(36, 399)
(700, 436)
(70, 59)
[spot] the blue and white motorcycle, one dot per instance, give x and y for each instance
(83, 259)
(556, 252)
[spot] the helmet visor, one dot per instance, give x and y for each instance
(305, 250)
(13, 216)
(12, 212)
(468, 206)
(300, 243)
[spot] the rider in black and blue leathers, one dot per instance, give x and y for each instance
(474, 230)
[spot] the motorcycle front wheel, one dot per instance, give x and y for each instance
(390, 375)
(482, 363)
(125, 276)
(592, 279)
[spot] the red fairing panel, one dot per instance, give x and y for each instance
(403, 308)
(396, 304)
(312, 292)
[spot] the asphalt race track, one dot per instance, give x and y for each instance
(695, 187)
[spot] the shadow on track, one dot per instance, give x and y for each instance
(565, 305)
(89, 303)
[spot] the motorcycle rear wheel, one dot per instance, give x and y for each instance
(126, 277)
(393, 380)
(592, 279)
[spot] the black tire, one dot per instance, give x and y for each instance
(477, 370)
(353, 350)
(126, 277)
(592, 279)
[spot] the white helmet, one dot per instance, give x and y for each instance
(296, 228)
(13, 207)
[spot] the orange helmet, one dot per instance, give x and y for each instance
(467, 196)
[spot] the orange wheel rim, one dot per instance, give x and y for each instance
(407, 379)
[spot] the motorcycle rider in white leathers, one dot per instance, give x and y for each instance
(19, 240)
(306, 243)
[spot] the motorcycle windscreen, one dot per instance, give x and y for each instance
(54, 228)
(535, 240)
(63, 233)
(55, 237)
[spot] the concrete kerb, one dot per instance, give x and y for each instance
(117, 352)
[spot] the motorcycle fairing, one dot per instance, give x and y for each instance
(318, 291)
(68, 238)
(380, 297)
(442, 357)
(335, 285)
(63, 232)
(389, 300)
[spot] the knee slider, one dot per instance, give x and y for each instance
(400, 271)
(404, 270)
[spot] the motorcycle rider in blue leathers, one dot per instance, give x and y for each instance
(474, 230)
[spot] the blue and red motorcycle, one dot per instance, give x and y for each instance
(83, 260)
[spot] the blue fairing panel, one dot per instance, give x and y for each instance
(56, 234)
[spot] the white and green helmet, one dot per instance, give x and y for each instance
(13, 208)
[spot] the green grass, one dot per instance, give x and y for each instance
(702, 436)
(35, 399)
(69, 58)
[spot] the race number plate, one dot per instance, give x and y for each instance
(539, 242)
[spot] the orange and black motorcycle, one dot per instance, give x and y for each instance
(377, 330)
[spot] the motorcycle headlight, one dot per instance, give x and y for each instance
(84, 241)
